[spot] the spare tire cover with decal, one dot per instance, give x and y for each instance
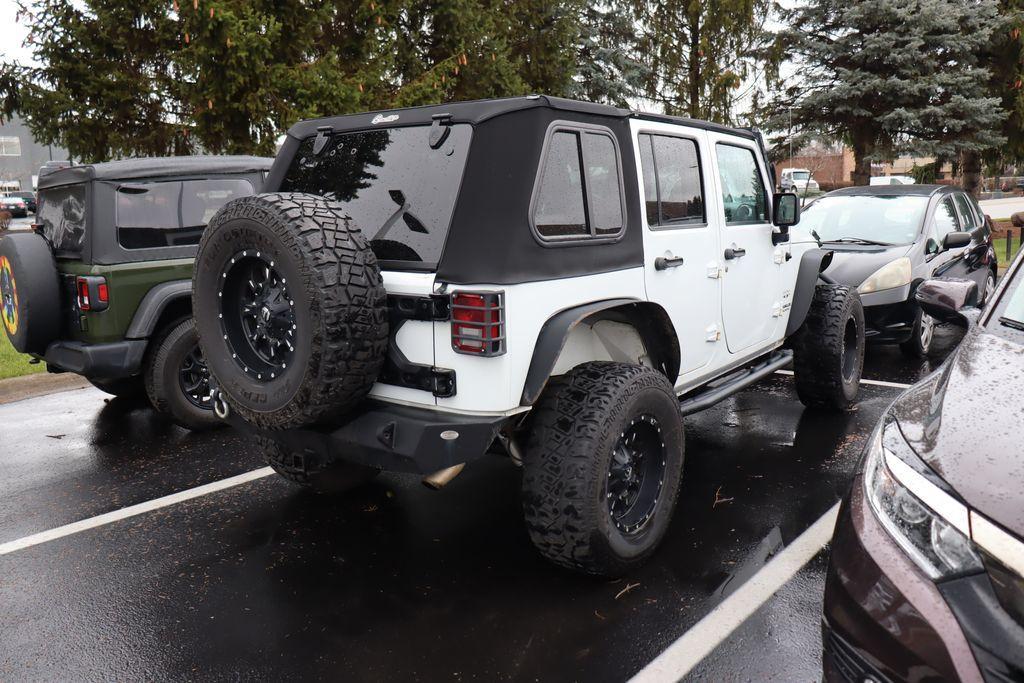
(29, 292)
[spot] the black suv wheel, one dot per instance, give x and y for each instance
(177, 380)
(829, 349)
(602, 468)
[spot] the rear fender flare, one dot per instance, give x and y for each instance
(152, 306)
(650, 320)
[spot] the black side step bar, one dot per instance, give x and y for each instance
(730, 384)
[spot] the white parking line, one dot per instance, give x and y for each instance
(132, 511)
(697, 643)
(871, 382)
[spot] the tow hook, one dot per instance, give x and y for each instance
(220, 404)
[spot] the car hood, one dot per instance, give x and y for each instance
(967, 424)
(853, 263)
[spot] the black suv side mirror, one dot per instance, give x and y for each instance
(946, 299)
(785, 210)
(954, 240)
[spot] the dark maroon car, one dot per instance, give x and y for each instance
(926, 580)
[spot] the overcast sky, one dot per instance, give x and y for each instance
(13, 34)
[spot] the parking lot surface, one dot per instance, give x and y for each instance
(393, 581)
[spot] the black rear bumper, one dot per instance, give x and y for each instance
(390, 437)
(101, 361)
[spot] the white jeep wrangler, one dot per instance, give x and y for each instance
(556, 281)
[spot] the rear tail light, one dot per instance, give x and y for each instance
(478, 323)
(93, 293)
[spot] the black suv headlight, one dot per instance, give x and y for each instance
(930, 525)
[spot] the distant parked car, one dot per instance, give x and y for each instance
(28, 197)
(16, 206)
(798, 180)
(892, 180)
(888, 239)
(926, 578)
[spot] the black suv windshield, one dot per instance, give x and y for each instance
(874, 219)
(396, 188)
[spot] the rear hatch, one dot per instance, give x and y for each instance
(399, 186)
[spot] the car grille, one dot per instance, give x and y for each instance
(847, 662)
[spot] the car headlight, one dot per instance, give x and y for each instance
(894, 274)
(933, 541)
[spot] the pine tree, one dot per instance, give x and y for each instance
(889, 77)
(608, 68)
(701, 53)
(1004, 56)
(105, 87)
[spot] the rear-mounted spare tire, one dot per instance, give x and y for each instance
(29, 292)
(290, 309)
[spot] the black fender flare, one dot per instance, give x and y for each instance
(153, 305)
(556, 329)
(812, 263)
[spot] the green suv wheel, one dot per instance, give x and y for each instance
(177, 380)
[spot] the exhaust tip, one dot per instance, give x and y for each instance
(438, 480)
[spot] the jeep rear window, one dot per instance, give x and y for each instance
(395, 187)
(172, 213)
(61, 215)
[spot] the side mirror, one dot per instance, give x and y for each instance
(954, 240)
(931, 246)
(785, 209)
(946, 298)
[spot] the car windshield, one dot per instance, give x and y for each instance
(886, 219)
(1013, 313)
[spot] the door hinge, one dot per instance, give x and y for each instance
(712, 333)
(776, 309)
(714, 271)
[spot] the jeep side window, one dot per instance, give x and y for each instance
(743, 194)
(571, 204)
(171, 213)
(672, 180)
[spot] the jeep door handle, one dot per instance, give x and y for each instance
(666, 262)
(735, 252)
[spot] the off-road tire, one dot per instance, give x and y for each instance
(123, 387)
(920, 344)
(30, 310)
(573, 430)
(303, 470)
(828, 349)
(163, 385)
(339, 303)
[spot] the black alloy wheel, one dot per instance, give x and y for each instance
(194, 379)
(636, 475)
(257, 315)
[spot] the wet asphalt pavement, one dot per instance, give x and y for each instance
(393, 581)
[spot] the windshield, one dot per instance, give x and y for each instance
(892, 220)
(397, 189)
(1012, 313)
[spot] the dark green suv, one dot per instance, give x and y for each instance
(102, 287)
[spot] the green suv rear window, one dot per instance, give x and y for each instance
(61, 213)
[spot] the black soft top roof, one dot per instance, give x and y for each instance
(892, 190)
(478, 111)
(153, 167)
